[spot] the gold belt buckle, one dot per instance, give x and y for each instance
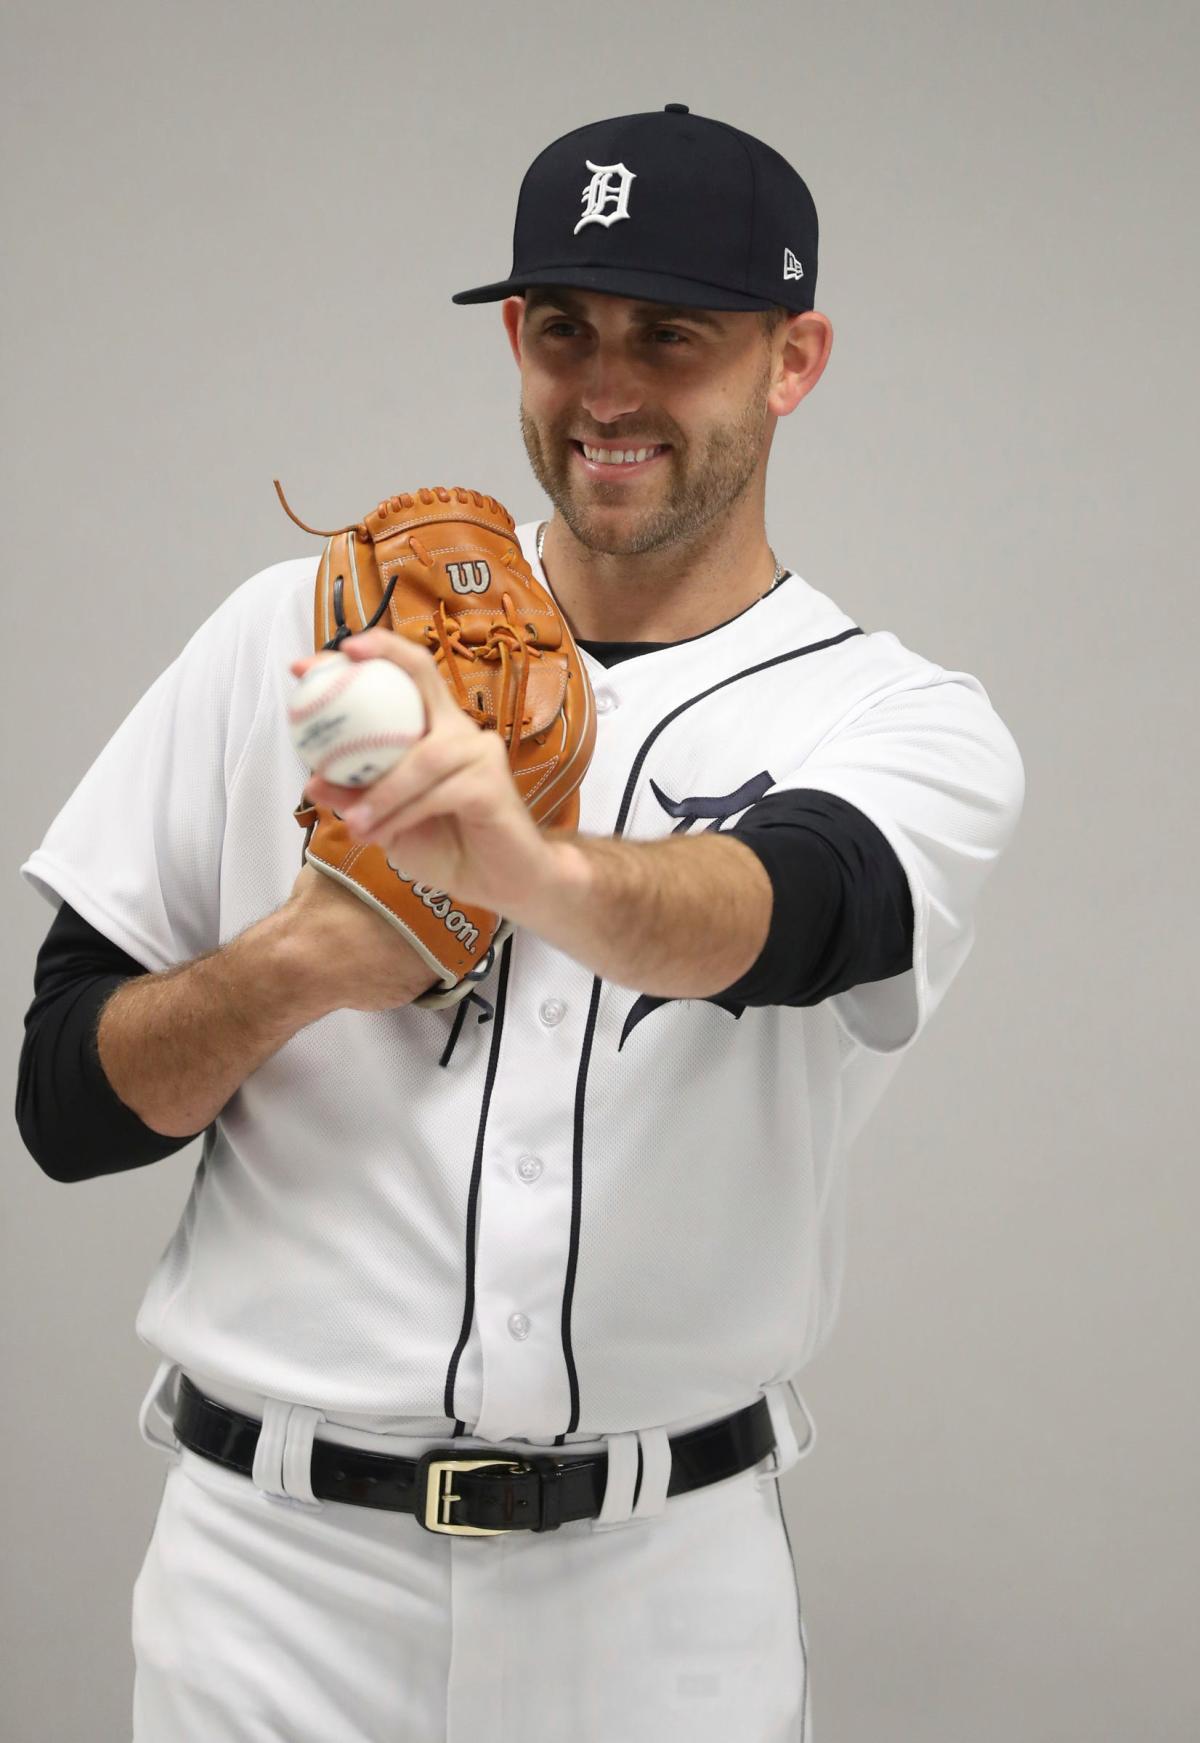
(440, 1497)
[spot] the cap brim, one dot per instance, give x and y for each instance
(656, 287)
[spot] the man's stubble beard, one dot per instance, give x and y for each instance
(709, 487)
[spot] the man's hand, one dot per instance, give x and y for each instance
(449, 813)
(348, 956)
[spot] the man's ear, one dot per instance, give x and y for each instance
(512, 310)
(807, 342)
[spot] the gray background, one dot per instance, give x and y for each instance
(233, 235)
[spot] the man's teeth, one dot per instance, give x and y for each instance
(618, 456)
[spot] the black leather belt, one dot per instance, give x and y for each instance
(476, 1491)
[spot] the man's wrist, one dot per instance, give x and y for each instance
(563, 880)
(298, 979)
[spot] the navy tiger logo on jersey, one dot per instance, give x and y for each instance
(716, 810)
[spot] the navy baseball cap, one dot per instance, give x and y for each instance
(669, 207)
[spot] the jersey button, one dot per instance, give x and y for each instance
(518, 1325)
(605, 702)
(529, 1168)
(552, 1011)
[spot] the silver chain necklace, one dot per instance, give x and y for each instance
(775, 579)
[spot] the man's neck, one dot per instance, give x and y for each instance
(656, 596)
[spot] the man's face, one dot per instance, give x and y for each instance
(608, 373)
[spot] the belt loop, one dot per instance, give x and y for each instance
(297, 1454)
(267, 1472)
(811, 1442)
(787, 1451)
(619, 1487)
(656, 1472)
(161, 1386)
(808, 1417)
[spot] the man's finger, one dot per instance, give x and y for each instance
(430, 762)
(299, 667)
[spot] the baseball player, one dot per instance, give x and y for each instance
(476, 1331)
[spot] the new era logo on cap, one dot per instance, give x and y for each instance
(791, 266)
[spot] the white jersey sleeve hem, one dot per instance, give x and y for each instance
(137, 848)
(938, 773)
(54, 880)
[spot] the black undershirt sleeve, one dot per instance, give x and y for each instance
(70, 1118)
(842, 911)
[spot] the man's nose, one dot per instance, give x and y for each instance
(611, 388)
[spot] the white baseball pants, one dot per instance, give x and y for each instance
(260, 1617)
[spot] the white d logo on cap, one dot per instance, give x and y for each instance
(609, 186)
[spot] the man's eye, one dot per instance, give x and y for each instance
(567, 329)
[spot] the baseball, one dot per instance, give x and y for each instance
(352, 720)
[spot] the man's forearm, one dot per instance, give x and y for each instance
(681, 918)
(175, 1046)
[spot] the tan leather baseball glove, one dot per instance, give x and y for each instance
(444, 568)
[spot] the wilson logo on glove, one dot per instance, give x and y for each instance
(442, 907)
(469, 577)
(445, 569)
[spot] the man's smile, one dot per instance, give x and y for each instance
(609, 463)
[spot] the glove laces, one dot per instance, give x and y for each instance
(510, 644)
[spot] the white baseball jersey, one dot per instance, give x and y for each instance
(606, 1212)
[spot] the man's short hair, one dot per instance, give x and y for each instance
(769, 319)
